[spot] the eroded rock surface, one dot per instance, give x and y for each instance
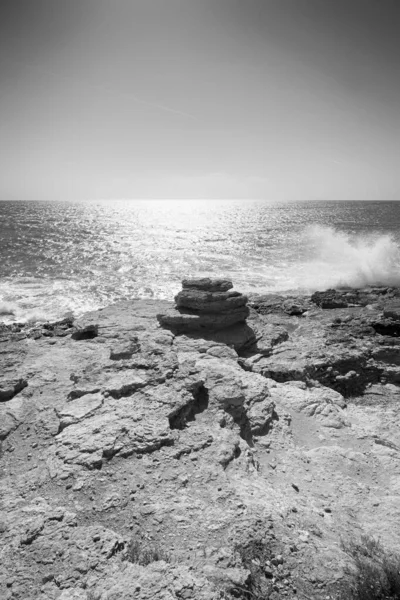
(10, 388)
(140, 462)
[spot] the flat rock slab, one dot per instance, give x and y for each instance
(124, 349)
(126, 317)
(210, 302)
(320, 402)
(183, 322)
(95, 430)
(266, 304)
(79, 409)
(208, 285)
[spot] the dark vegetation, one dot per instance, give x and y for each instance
(143, 554)
(254, 555)
(377, 574)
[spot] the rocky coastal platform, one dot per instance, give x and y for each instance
(221, 446)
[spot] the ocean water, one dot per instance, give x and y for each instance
(57, 258)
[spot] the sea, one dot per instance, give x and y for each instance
(63, 258)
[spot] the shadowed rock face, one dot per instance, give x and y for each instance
(183, 321)
(10, 387)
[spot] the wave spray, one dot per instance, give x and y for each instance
(335, 258)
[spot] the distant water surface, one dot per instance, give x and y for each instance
(60, 257)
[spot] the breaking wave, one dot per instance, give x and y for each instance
(338, 259)
(7, 309)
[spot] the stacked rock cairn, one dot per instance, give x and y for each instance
(205, 303)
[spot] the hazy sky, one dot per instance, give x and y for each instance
(277, 99)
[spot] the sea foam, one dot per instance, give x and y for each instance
(339, 259)
(7, 309)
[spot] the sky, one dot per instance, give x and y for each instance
(274, 99)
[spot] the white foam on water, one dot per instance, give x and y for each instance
(34, 316)
(337, 259)
(39, 299)
(7, 309)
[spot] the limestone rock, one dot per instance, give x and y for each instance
(243, 396)
(389, 326)
(11, 387)
(183, 321)
(320, 402)
(124, 384)
(73, 594)
(205, 305)
(223, 479)
(227, 447)
(330, 299)
(96, 431)
(392, 311)
(85, 331)
(237, 337)
(125, 349)
(275, 304)
(209, 302)
(260, 416)
(266, 303)
(79, 409)
(207, 284)
(267, 336)
(199, 345)
(347, 370)
(156, 581)
(336, 299)
(11, 415)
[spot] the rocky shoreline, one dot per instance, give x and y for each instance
(218, 447)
